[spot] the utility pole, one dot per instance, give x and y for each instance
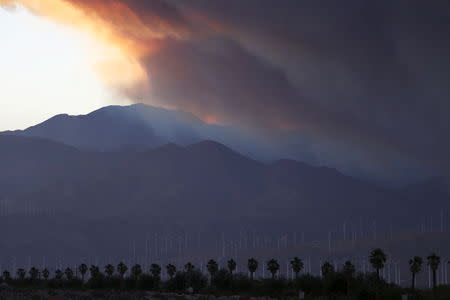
(344, 230)
(361, 226)
(329, 241)
(375, 230)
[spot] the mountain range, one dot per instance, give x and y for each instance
(136, 127)
(155, 170)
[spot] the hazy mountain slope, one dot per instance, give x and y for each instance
(204, 190)
(136, 127)
(26, 163)
(205, 180)
(109, 128)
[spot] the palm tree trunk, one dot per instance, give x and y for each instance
(413, 281)
(378, 273)
(434, 279)
(251, 275)
(348, 287)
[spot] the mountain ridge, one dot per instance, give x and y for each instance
(207, 161)
(205, 186)
(113, 127)
(138, 127)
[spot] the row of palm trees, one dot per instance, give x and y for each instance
(377, 259)
(109, 271)
(415, 267)
(155, 270)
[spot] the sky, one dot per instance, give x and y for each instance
(362, 85)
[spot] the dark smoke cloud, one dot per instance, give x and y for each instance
(363, 83)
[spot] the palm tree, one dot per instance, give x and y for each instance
(212, 268)
(377, 259)
(252, 266)
(94, 270)
(109, 270)
(415, 266)
(46, 273)
(6, 275)
(21, 273)
(171, 270)
(69, 273)
(136, 271)
(122, 269)
(327, 269)
(297, 266)
(349, 269)
(433, 263)
(155, 270)
(34, 273)
(189, 267)
(231, 264)
(83, 270)
(273, 266)
(58, 274)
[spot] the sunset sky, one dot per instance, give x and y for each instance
(363, 83)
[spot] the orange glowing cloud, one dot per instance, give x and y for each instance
(122, 38)
(287, 126)
(212, 119)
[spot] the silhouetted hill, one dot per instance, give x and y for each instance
(111, 128)
(26, 161)
(12, 146)
(131, 128)
(204, 189)
(433, 198)
(203, 179)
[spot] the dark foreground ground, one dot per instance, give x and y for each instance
(52, 294)
(35, 294)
